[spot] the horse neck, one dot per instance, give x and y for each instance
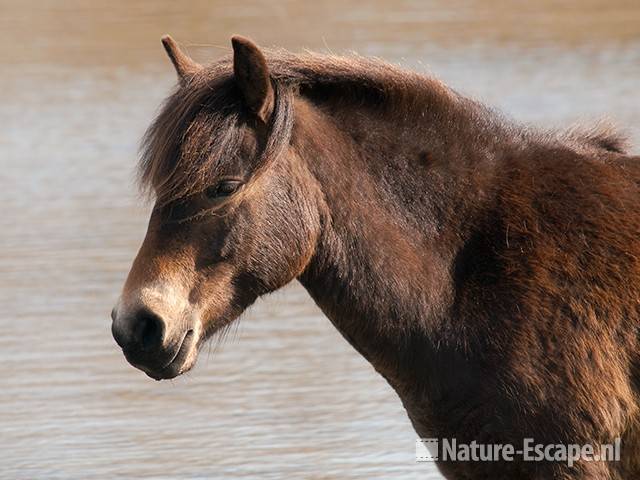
(396, 190)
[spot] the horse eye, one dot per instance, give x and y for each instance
(222, 189)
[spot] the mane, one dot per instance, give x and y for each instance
(603, 135)
(180, 156)
(172, 165)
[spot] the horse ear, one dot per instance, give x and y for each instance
(252, 77)
(185, 66)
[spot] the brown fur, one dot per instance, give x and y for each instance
(490, 272)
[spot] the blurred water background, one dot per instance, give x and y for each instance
(285, 397)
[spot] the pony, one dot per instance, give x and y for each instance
(489, 271)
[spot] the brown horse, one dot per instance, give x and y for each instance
(490, 272)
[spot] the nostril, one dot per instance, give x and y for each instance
(149, 330)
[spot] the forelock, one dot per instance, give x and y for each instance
(198, 127)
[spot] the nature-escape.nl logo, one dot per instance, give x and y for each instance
(449, 449)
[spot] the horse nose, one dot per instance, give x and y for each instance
(139, 332)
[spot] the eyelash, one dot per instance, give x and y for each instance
(223, 189)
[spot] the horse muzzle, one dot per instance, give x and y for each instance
(149, 345)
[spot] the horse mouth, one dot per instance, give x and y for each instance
(181, 362)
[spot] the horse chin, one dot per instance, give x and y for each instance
(183, 361)
(187, 354)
